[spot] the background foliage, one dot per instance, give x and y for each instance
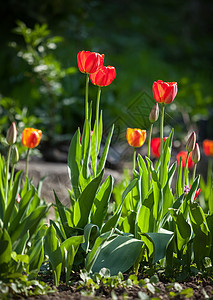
(144, 40)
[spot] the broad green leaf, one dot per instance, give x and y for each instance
(85, 201)
(91, 232)
(145, 218)
(62, 213)
(5, 250)
(36, 256)
(23, 205)
(166, 156)
(183, 229)
(69, 249)
(13, 196)
(156, 243)
(19, 245)
(84, 176)
(103, 158)
(118, 254)
(52, 249)
(145, 177)
(92, 255)
(74, 162)
(101, 202)
(94, 152)
(113, 221)
(179, 189)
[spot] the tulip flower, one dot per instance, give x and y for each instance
(190, 144)
(135, 137)
(11, 134)
(183, 156)
(89, 62)
(155, 146)
(31, 137)
(104, 76)
(164, 92)
(208, 147)
(153, 116)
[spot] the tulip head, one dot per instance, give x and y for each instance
(183, 156)
(164, 92)
(104, 76)
(135, 137)
(11, 134)
(89, 62)
(14, 155)
(196, 154)
(153, 116)
(190, 144)
(31, 137)
(208, 147)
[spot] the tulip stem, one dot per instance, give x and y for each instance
(97, 109)
(149, 151)
(27, 162)
(7, 172)
(86, 97)
(194, 173)
(161, 143)
(185, 168)
(134, 159)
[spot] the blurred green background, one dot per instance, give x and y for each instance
(40, 85)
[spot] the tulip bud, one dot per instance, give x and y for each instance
(153, 116)
(14, 155)
(196, 154)
(11, 134)
(191, 142)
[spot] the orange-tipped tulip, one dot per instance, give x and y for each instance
(135, 137)
(183, 155)
(164, 92)
(208, 147)
(89, 62)
(31, 137)
(104, 76)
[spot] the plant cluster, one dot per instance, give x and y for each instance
(152, 222)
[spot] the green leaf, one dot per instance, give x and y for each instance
(113, 221)
(13, 196)
(92, 255)
(36, 255)
(103, 158)
(183, 229)
(145, 217)
(84, 176)
(101, 202)
(166, 156)
(74, 163)
(145, 177)
(118, 254)
(5, 250)
(91, 232)
(156, 243)
(52, 249)
(69, 249)
(85, 201)
(179, 189)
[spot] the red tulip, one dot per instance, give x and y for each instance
(135, 137)
(104, 76)
(164, 92)
(155, 146)
(31, 137)
(208, 147)
(89, 62)
(183, 155)
(197, 193)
